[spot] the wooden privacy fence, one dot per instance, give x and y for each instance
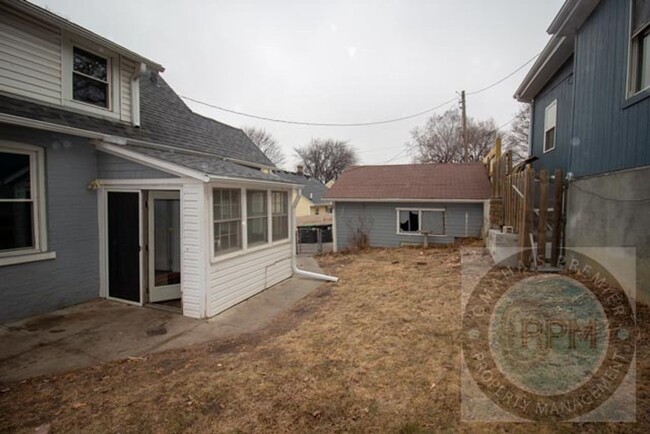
(532, 205)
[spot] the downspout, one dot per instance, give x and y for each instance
(140, 68)
(294, 264)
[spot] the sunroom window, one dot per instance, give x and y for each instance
(18, 201)
(227, 220)
(90, 78)
(279, 215)
(257, 217)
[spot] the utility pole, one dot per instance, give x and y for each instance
(463, 107)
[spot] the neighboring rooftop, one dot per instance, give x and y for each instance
(313, 189)
(456, 181)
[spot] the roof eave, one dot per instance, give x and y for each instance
(556, 52)
(564, 27)
(54, 19)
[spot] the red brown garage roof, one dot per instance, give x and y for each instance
(455, 181)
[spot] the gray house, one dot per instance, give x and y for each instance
(396, 205)
(110, 186)
(590, 97)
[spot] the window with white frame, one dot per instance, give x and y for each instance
(279, 215)
(417, 221)
(409, 221)
(639, 69)
(20, 219)
(227, 220)
(90, 78)
(257, 217)
(550, 130)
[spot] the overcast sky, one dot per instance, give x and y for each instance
(329, 61)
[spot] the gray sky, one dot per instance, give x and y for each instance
(329, 61)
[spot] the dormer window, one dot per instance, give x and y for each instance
(90, 81)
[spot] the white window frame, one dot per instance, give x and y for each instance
(420, 211)
(68, 43)
(214, 220)
(633, 54)
(245, 249)
(39, 218)
(288, 214)
(550, 124)
(266, 194)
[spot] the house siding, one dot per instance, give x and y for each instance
(32, 65)
(380, 221)
(193, 251)
(112, 167)
(611, 136)
(30, 58)
(72, 231)
(559, 89)
(237, 279)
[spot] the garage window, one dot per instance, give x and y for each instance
(417, 221)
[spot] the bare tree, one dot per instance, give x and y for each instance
(516, 140)
(325, 159)
(440, 140)
(267, 144)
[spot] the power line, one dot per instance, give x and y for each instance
(496, 83)
(359, 124)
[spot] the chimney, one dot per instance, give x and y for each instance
(300, 169)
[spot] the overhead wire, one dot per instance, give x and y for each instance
(358, 124)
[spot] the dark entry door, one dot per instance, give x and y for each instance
(124, 246)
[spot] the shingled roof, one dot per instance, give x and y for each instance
(165, 120)
(312, 189)
(457, 181)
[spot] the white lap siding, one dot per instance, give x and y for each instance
(235, 279)
(194, 247)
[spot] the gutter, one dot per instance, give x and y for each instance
(294, 265)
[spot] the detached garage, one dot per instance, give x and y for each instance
(393, 206)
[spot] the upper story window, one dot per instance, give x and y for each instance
(550, 121)
(90, 78)
(640, 47)
(21, 218)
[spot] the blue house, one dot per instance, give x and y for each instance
(110, 186)
(590, 96)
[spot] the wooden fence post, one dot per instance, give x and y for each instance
(557, 217)
(543, 214)
(526, 225)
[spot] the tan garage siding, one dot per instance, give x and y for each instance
(30, 58)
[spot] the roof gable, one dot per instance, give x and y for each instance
(456, 181)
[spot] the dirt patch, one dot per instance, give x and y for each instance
(379, 351)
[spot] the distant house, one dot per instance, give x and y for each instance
(395, 205)
(590, 96)
(312, 209)
(110, 186)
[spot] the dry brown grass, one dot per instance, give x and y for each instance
(379, 351)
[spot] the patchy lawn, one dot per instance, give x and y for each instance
(379, 351)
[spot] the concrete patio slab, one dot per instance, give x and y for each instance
(101, 330)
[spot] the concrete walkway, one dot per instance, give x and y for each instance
(100, 331)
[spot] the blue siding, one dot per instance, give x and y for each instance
(612, 136)
(73, 277)
(609, 132)
(560, 88)
(112, 167)
(380, 222)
